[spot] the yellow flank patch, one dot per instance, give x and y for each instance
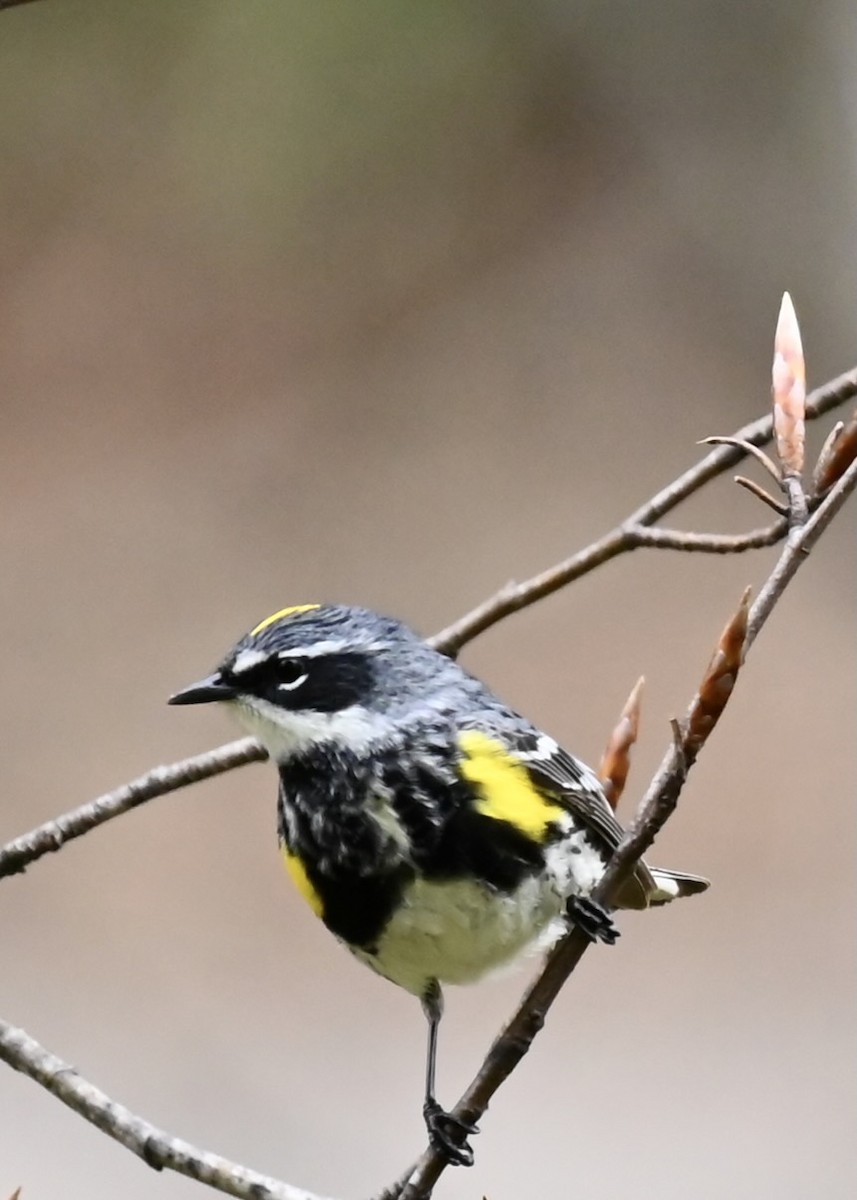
(283, 612)
(504, 788)
(301, 880)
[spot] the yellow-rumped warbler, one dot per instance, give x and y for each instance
(436, 832)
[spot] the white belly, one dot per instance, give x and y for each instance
(460, 930)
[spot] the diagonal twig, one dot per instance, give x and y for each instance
(15, 856)
(157, 1149)
(638, 530)
(660, 538)
(625, 537)
(657, 806)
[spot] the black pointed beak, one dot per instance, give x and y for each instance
(214, 687)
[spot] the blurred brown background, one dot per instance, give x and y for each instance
(388, 303)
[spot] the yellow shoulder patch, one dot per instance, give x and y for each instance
(301, 880)
(280, 614)
(504, 789)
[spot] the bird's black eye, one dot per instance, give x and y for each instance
(290, 673)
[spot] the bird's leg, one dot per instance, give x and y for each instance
(447, 1133)
(592, 919)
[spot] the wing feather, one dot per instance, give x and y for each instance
(576, 788)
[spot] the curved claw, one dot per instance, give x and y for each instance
(448, 1134)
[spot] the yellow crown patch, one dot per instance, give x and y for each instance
(281, 614)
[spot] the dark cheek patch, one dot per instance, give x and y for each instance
(334, 682)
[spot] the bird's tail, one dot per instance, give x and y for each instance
(671, 885)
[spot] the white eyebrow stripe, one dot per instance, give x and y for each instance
(315, 650)
(247, 660)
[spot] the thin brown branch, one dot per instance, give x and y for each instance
(638, 530)
(662, 794)
(822, 400)
(157, 1149)
(161, 1150)
(53, 835)
(655, 809)
(710, 543)
(799, 543)
(759, 492)
(514, 597)
(748, 448)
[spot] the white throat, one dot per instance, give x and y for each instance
(286, 734)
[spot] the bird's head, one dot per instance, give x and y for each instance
(327, 675)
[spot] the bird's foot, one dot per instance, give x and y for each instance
(591, 919)
(448, 1134)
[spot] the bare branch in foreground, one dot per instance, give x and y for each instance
(157, 1149)
(53, 835)
(631, 533)
(755, 489)
(657, 806)
(639, 530)
(659, 538)
(760, 456)
(160, 1149)
(799, 543)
